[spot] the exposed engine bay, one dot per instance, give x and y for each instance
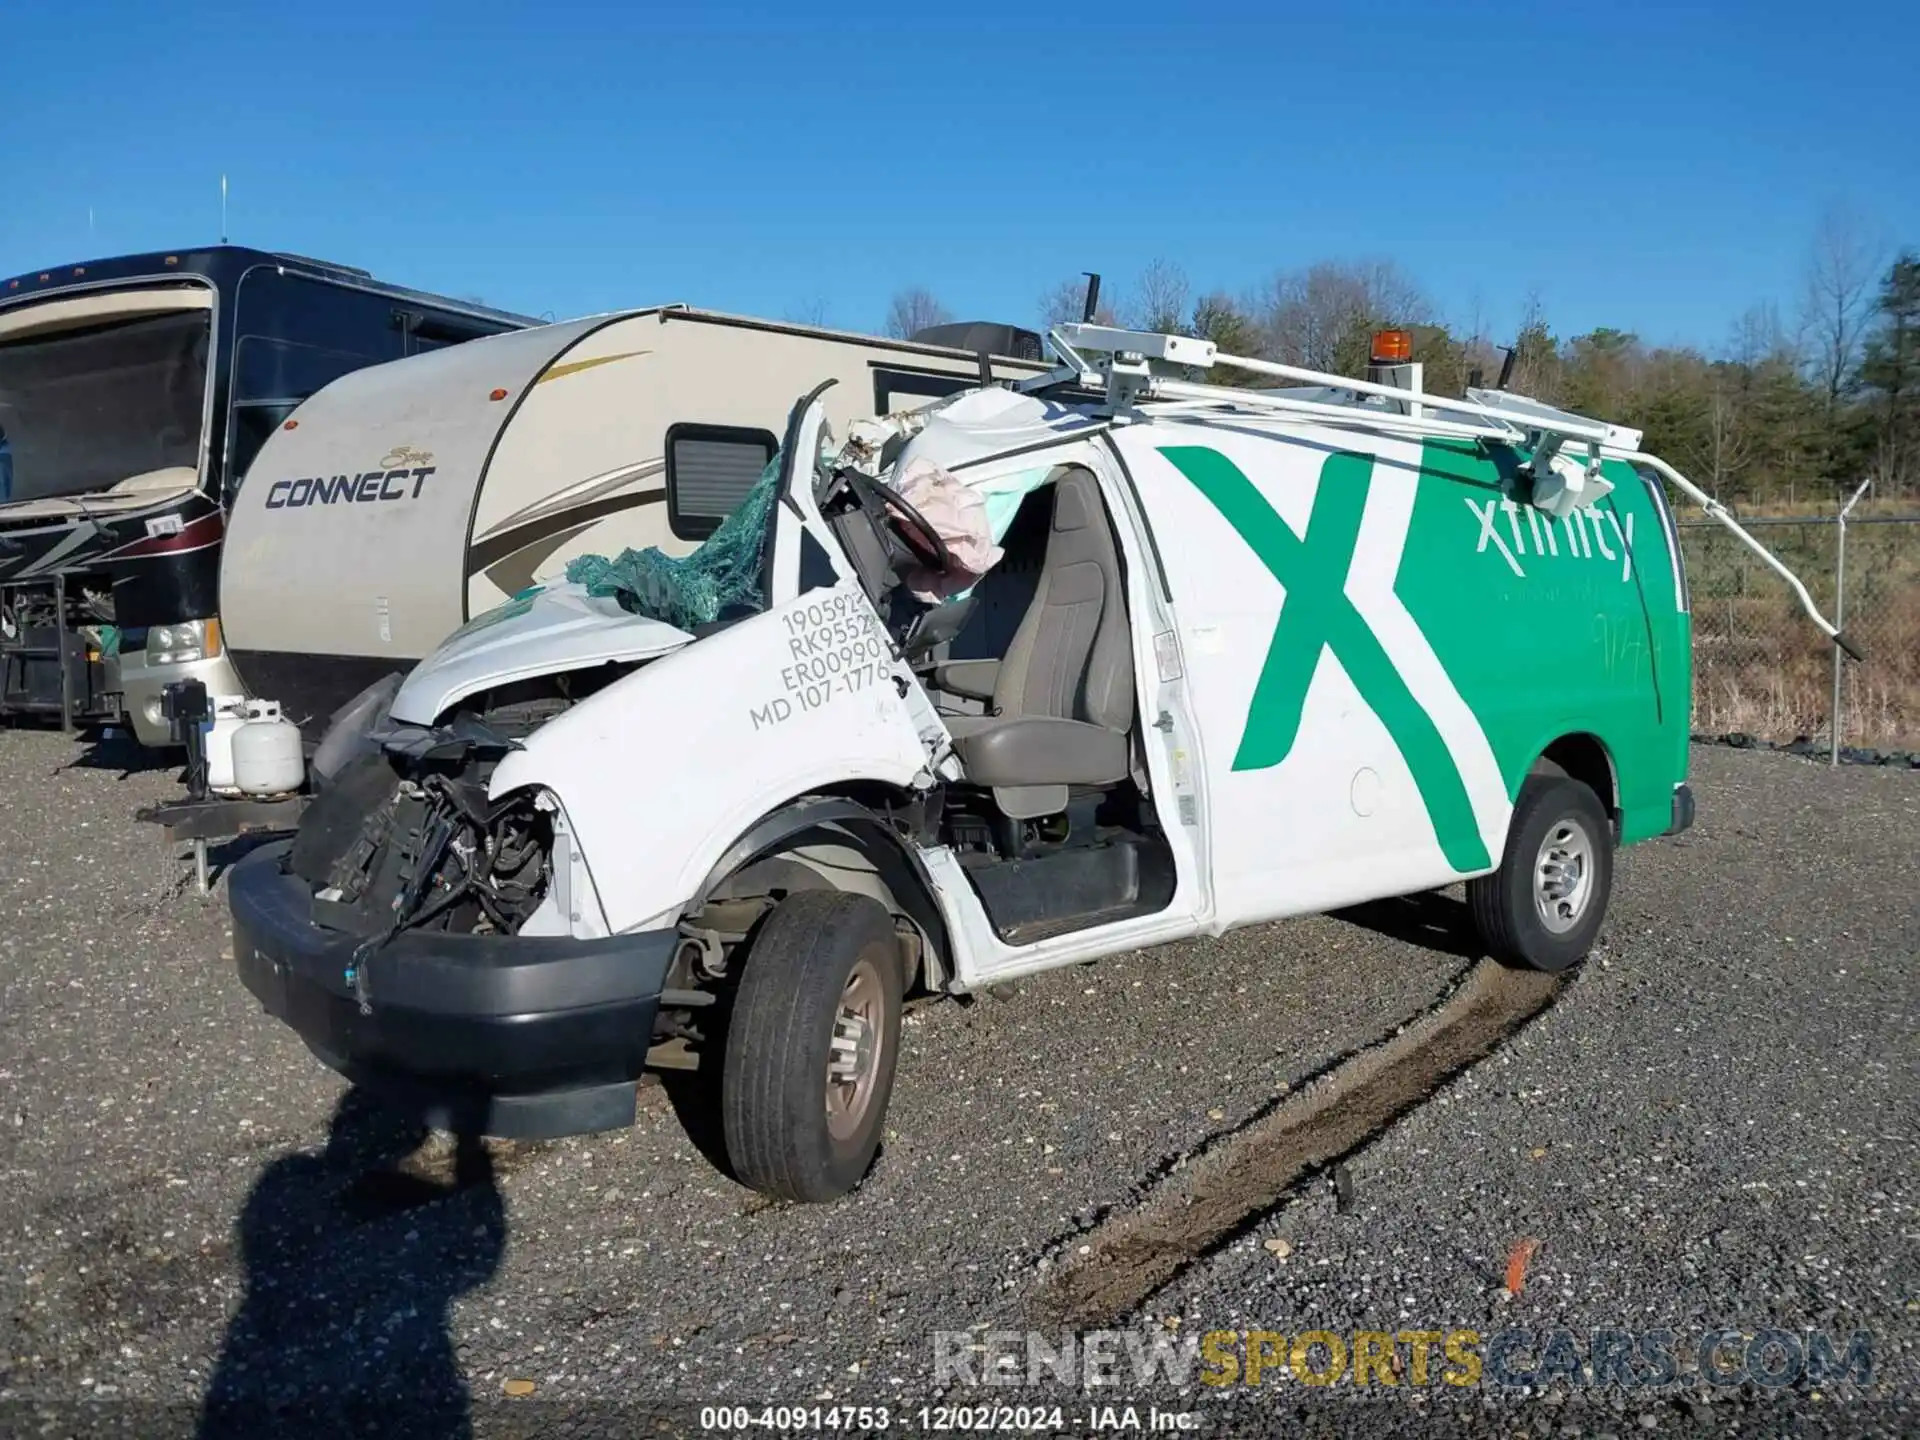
(402, 841)
(402, 834)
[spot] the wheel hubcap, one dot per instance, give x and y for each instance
(853, 1053)
(1563, 876)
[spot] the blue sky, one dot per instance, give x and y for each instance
(1659, 167)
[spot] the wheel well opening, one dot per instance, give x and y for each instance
(859, 854)
(1583, 758)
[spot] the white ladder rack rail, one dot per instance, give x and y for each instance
(1126, 376)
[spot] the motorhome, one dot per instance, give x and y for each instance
(403, 500)
(134, 392)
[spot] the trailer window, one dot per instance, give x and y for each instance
(896, 388)
(710, 469)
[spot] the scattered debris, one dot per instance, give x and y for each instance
(1808, 748)
(1518, 1258)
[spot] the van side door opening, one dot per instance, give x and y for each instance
(1052, 820)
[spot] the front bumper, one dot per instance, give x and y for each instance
(495, 1035)
(143, 686)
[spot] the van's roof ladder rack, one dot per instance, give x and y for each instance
(1121, 363)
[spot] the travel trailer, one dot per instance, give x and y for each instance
(1165, 659)
(134, 392)
(401, 501)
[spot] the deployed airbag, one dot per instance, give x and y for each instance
(960, 516)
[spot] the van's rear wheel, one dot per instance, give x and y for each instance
(812, 1045)
(1543, 907)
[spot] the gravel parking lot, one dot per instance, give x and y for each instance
(1713, 1126)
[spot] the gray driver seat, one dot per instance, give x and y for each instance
(1062, 696)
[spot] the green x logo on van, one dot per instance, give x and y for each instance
(1317, 615)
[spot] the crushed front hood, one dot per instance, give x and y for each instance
(543, 632)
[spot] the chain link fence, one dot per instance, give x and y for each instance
(1761, 668)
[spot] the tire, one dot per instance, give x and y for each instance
(815, 950)
(1556, 823)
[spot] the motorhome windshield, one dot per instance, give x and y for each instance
(82, 410)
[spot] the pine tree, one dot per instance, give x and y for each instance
(1890, 377)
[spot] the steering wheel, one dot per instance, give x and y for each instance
(903, 520)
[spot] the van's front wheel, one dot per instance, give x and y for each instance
(812, 1046)
(1543, 907)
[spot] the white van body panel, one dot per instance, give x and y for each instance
(660, 772)
(654, 802)
(547, 633)
(1341, 818)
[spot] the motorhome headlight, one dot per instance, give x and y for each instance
(183, 642)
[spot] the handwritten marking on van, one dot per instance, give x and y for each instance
(836, 653)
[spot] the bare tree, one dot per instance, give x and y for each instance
(1477, 350)
(1841, 267)
(1159, 303)
(913, 310)
(1067, 301)
(1537, 367)
(1321, 317)
(1758, 336)
(810, 312)
(1728, 441)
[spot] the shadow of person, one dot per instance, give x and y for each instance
(352, 1264)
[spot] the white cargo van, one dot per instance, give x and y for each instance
(1244, 655)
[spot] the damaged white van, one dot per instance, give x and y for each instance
(1220, 656)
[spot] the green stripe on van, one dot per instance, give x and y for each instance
(1317, 615)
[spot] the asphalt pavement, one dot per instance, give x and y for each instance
(1710, 1132)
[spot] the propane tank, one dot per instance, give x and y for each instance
(267, 756)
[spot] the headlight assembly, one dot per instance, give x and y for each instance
(180, 644)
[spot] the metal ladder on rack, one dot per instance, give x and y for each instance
(1120, 365)
(28, 649)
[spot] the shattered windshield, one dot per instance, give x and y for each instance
(721, 579)
(82, 410)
